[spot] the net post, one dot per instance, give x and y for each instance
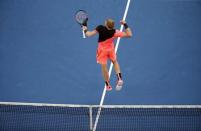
(90, 118)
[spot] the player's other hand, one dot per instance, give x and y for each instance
(84, 27)
(123, 22)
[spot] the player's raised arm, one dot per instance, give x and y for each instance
(127, 30)
(89, 33)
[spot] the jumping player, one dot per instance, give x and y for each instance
(106, 49)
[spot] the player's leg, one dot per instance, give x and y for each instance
(106, 76)
(118, 73)
(117, 70)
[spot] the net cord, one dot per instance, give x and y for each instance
(96, 106)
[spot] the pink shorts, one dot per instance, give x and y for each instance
(103, 55)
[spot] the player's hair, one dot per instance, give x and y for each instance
(110, 23)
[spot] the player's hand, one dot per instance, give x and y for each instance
(84, 27)
(122, 22)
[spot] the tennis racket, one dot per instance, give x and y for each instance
(81, 17)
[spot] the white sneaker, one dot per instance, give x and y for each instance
(119, 85)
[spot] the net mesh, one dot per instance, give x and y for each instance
(150, 119)
(113, 118)
(40, 118)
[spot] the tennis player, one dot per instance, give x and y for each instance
(106, 49)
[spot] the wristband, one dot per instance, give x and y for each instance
(125, 26)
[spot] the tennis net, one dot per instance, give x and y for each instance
(64, 117)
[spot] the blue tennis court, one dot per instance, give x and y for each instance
(44, 59)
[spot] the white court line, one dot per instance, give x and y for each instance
(110, 70)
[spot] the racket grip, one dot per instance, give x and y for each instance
(83, 33)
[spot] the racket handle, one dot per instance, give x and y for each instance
(83, 33)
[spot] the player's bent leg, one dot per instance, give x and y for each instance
(118, 72)
(116, 67)
(106, 76)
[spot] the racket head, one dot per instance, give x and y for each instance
(81, 17)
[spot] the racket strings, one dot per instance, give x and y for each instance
(81, 17)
